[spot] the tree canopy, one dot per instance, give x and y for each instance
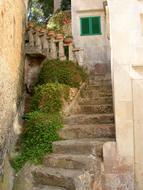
(40, 10)
(65, 5)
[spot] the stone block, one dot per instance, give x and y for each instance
(118, 172)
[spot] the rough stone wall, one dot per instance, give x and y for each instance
(12, 23)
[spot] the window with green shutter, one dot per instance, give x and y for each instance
(90, 26)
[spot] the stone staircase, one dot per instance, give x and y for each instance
(76, 162)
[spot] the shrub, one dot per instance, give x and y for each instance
(49, 97)
(44, 121)
(40, 131)
(59, 20)
(65, 72)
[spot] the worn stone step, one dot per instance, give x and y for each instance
(99, 83)
(45, 187)
(80, 146)
(70, 161)
(92, 109)
(100, 77)
(89, 119)
(87, 131)
(101, 87)
(95, 101)
(64, 178)
(97, 91)
(95, 94)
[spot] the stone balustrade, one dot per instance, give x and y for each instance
(41, 43)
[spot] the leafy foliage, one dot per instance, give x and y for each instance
(40, 131)
(65, 5)
(40, 10)
(64, 72)
(49, 97)
(60, 21)
(44, 120)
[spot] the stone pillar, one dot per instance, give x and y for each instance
(71, 55)
(61, 51)
(81, 57)
(48, 47)
(31, 37)
(53, 49)
(45, 44)
(38, 43)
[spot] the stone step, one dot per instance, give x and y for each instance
(64, 178)
(100, 77)
(99, 83)
(92, 94)
(87, 131)
(70, 161)
(100, 87)
(95, 101)
(80, 146)
(45, 187)
(97, 91)
(89, 119)
(92, 109)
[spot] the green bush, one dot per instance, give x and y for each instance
(44, 120)
(40, 131)
(49, 97)
(64, 72)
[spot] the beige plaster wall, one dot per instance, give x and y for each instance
(95, 47)
(12, 19)
(127, 69)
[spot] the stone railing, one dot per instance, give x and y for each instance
(44, 43)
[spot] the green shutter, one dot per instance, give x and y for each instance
(96, 25)
(90, 26)
(84, 24)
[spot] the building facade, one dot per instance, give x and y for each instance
(93, 40)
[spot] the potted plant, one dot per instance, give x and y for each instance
(68, 39)
(51, 33)
(43, 30)
(31, 24)
(37, 28)
(59, 36)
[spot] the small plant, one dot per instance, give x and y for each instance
(64, 72)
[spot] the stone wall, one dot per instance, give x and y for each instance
(96, 47)
(12, 23)
(126, 156)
